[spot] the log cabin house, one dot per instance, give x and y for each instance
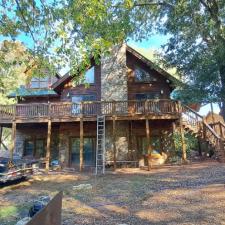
(124, 113)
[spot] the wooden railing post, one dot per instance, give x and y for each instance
(221, 130)
(113, 107)
(82, 108)
(146, 106)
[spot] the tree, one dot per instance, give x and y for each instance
(68, 32)
(13, 68)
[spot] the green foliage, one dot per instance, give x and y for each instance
(67, 33)
(8, 211)
(190, 141)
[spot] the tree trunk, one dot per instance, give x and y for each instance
(222, 91)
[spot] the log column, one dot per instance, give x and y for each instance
(48, 149)
(13, 140)
(1, 129)
(81, 143)
(173, 136)
(114, 142)
(183, 144)
(148, 142)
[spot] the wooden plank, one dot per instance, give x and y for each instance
(130, 141)
(1, 130)
(50, 214)
(148, 141)
(183, 144)
(114, 143)
(81, 143)
(48, 149)
(174, 129)
(13, 140)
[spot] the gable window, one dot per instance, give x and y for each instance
(89, 76)
(40, 82)
(143, 76)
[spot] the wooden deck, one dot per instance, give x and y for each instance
(68, 112)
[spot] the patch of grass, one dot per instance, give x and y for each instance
(8, 211)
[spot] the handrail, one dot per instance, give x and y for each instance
(211, 130)
(222, 124)
(208, 132)
(193, 111)
(89, 108)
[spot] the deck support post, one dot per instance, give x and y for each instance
(130, 142)
(81, 143)
(13, 140)
(114, 142)
(48, 149)
(183, 144)
(199, 147)
(161, 142)
(148, 142)
(174, 129)
(1, 129)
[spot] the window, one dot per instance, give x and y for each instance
(143, 144)
(40, 148)
(89, 76)
(34, 148)
(144, 96)
(80, 98)
(88, 154)
(41, 82)
(29, 148)
(142, 75)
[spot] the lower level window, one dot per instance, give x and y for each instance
(29, 148)
(143, 144)
(35, 148)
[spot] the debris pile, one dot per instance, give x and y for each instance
(36, 207)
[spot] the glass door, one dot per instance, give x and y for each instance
(89, 151)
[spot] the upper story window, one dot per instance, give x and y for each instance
(89, 76)
(143, 76)
(80, 98)
(41, 82)
(149, 95)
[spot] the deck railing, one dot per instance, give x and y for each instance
(69, 109)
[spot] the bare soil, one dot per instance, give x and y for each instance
(188, 194)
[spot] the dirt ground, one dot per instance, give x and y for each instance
(189, 194)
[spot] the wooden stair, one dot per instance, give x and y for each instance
(194, 123)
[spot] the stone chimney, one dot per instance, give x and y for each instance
(114, 75)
